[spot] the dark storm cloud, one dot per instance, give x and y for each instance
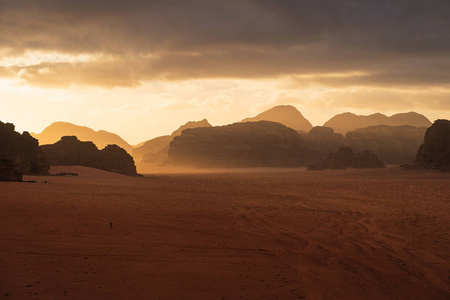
(247, 39)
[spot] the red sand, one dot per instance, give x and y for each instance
(353, 234)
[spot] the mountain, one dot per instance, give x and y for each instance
(391, 144)
(19, 154)
(284, 114)
(101, 138)
(250, 144)
(155, 150)
(434, 153)
(346, 158)
(345, 122)
(70, 151)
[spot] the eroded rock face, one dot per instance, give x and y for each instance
(19, 154)
(320, 142)
(346, 158)
(252, 144)
(155, 150)
(391, 144)
(70, 151)
(434, 153)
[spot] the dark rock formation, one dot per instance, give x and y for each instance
(70, 151)
(155, 150)
(19, 154)
(252, 144)
(8, 171)
(345, 122)
(434, 153)
(321, 142)
(101, 138)
(391, 144)
(346, 158)
(284, 114)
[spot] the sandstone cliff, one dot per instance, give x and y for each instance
(70, 151)
(19, 154)
(252, 144)
(345, 122)
(391, 144)
(346, 158)
(434, 153)
(320, 142)
(155, 150)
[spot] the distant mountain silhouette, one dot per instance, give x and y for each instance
(101, 138)
(284, 114)
(70, 151)
(155, 150)
(345, 122)
(434, 153)
(250, 144)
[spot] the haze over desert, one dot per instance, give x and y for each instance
(239, 149)
(265, 234)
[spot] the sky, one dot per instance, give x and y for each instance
(143, 68)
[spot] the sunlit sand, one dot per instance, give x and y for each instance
(283, 234)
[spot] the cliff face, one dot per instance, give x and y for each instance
(434, 153)
(101, 138)
(391, 144)
(253, 144)
(70, 151)
(346, 158)
(19, 154)
(155, 150)
(346, 122)
(320, 142)
(284, 114)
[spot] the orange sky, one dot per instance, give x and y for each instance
(142, 68)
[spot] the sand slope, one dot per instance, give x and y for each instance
(352, 234)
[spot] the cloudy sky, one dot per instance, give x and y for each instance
(143, 68)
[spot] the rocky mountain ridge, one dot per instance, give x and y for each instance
(70, 151)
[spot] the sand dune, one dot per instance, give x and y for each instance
(351, 234)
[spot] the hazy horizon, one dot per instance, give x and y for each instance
(141, 69)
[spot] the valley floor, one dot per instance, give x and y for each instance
(266, 234)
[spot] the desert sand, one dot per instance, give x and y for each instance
(259, 234)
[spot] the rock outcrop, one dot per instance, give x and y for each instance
(321, 142)
(101, 138)
(251, 144)
(284, 114)
(70, 151)
(434, 153)
(155, 150)
(346, 158)
(391, 144)
(19, 154)
(346, 122)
